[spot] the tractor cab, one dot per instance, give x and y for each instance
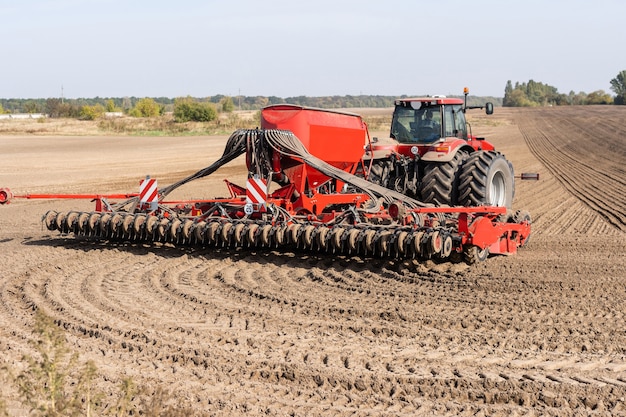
(423, 121)
(433, 128)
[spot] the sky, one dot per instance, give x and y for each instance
(286, 48)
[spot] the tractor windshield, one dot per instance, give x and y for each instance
(410, 125)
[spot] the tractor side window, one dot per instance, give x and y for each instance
(459, 121)
(400, 126)
(449, 122)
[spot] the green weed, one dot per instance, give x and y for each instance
(56, 383)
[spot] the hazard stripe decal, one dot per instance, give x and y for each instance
(148, 191)
(256, 191)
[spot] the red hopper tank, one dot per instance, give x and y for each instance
(336, 137)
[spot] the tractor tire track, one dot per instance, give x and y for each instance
(577, 157)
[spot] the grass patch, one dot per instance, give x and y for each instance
(55, 382)
(167, 126)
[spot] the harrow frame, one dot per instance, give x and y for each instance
(320, 205)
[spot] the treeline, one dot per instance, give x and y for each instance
(524, 94)
(77, 108)
(535, 93)
(364, 101)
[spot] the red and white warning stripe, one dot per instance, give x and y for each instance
(148, 191)
(256, 191)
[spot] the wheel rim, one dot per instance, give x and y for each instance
(497, 190)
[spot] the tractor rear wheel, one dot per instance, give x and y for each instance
(486, 179)
(440, 182)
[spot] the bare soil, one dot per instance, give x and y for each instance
(263, 333)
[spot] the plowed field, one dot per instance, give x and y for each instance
(262, 333)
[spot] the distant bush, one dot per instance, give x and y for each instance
(32, 106)
(599, 97)
(530, 94)
(92, 112)
(188, 110)
(535, 93)
(59, 108)
(146, 107)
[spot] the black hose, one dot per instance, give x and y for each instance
(235, 146)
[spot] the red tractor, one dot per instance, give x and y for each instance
(433, 156)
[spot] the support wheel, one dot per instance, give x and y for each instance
(519, 217)
(473, 254)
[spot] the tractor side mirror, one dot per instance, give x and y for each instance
(489, 108)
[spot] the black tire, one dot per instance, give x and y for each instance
(486, 179)
(380, 172)
(473, 254)
(440, 182)
(519, 217)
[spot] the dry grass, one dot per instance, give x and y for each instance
(376, 119)
(149, 126)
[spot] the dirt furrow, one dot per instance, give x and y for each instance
(590, 182)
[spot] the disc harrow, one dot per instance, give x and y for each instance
(368, 240)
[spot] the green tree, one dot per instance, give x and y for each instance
(618, 85)
(227, 104)
(57, 108)
(146, 107)
(508, 90)
(518, 98)
(261, 102)
(532, 93)
(32, 106)
(110, 105)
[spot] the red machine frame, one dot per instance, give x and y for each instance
(317, 206)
